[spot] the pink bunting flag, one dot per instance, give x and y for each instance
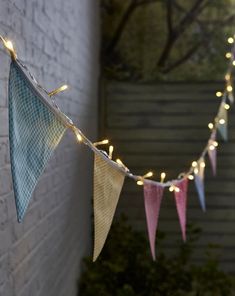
(212, 152)
(153, 193)
(181, 204)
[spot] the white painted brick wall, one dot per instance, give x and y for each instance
(59, 41)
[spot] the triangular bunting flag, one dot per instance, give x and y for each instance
(222, 122)
(199, 182)
(212, 152)
(152, 200)
(34, 132)
(181, 204)
(108, 182)
(231, 97)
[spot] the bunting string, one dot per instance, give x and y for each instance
(28, 164)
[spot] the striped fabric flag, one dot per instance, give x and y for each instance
(108, 182)
(153, 193)
(35, 130)
(181, 204)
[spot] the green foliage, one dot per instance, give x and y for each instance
(125, 268)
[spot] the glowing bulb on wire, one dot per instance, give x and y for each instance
(148, 175)
(228, 55)
(196, 171)
(111, 148)
(230, 40)
(194, 164)
(103, 142)
(140, 183)
(227, 77)
(163, 176)
(212, 147)
(219, 94)
(9, 45)
(210, 125)
(221, 121)
(229, 88)
(202, 164)
(190, 177)
(226, 106)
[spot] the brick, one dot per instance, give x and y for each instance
(57, 40)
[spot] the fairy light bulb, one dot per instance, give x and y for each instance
(212, 147)
(226, 106)
(9, 45)
(190, 177)
(148, 175)
(230, 40)
(103, 142)
(63, 87)
(228, 55)
(221, 121)
(79, 137)
(196, 171)
(210, 125)
(227, 77)
(202, 164)
(163, 176)
(233, 63)
(219, 94)
(215, 143)
(194, 164)
(229, 88)
(177, 189)
(118, 161)
(140, 183)
(111, 151)
(171, 188)
(174, 188)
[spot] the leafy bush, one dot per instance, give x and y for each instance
(125, 268)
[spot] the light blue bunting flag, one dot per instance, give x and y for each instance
(222, 122)
(199, 182)
(35, 130)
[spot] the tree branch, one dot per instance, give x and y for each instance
(190, 16)
(181, 60)
(123, 22)
(143, 2)
(169, 12)
(176, 32)
(120, 28)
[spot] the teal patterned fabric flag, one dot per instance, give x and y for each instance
(35, 130)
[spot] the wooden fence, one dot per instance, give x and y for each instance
(163, 127)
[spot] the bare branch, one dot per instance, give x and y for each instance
(120, 28)
(176, 32)
(183, 59)
(169, 12)
(133, 4)
(143, 2)
(190, 16)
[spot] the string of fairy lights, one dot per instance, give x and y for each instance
(226, 100)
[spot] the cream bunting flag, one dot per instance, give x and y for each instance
(108, 182)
